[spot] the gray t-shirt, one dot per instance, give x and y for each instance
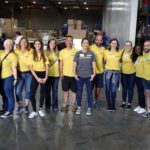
(84, 63)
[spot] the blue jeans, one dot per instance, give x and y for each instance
(9, 101)
(24, 80)
(128, 82)
(111, 81)
(140, 90)
(88, 84)
(52, 92)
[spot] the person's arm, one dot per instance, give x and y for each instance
(94, 70)
(39, 80)
(14, 69)
(74, 70)
(61, 69)
(46, 73)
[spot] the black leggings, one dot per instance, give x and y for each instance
(34, 86)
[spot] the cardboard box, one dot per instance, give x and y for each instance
(71, 21)
(78, 34)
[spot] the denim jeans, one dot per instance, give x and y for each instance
(23, 80)
(88, 84)
(128, 82)
(34, 86)
(52, 92)
(111, 81)
(140, 90)
(9, 101)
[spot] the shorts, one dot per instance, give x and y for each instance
(69, 83)
(98, 81)
(146, 84)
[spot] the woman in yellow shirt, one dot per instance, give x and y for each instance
(137, 58)
(112, 59)
(39, 69)
(53, 76)
(8, 63)
(127, 76)
(24, 54)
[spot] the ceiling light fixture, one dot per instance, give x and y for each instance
(86, 8)
(65, 8)
(44, 7)
(59, 3)
(6, 2)
(21, 7)
(85, 3)
(34, 2)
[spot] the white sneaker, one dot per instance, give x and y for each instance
(136, 109)
(141, 111)
(33, 114)
(41, 113)
(89, 112)
(7, 115)
(78, 112)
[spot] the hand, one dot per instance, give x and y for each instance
(61, 77)
(39, 80)
(76, 77)
(15, 82)
(44, 80)
(92, 77)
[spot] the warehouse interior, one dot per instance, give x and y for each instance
(34, 19)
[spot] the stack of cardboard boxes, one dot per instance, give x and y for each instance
(75, 29)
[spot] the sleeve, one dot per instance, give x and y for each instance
(14, 61)
(76, 58)
(93, 57)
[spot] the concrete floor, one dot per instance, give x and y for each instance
(122, 130)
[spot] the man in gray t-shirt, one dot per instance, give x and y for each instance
(84, 62)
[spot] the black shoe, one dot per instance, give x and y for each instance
(109, 108)
(123, 106)
(129, 107)
(2, 111)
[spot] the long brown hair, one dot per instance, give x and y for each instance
(35, 54)
(28, 45)
(48, 47)
(114, 39)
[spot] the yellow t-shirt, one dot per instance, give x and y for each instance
(146, 65)
(67, 56)
(39, 65)
(139, 67)
(9, 62)
(127, 64)
(53, 59)
(24, 59)
(112, 59)
(99, 54)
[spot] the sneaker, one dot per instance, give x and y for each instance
(129, 107)
(55, 109)
(109, 108)
(33, 114)
(26, 111)
(113, 109)
(2, 111)
(136, 109)
(141, 111)
(78, 112)
(19, 111)
(122, 106)
(146, 114)
(74, 108)
(7, 115)
(89, 112)
(96, 105)
(65, 108)
(41, 113)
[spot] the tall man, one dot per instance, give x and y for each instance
(98, 50)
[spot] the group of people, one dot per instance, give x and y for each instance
(93, 66)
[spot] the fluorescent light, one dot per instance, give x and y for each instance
(86, 8)
(65, 8)
(6, 2)
(85, 3)
(34, 2)
(44, 7)
(21, 7)
(59, 3)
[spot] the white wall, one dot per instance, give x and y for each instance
(120, 18)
